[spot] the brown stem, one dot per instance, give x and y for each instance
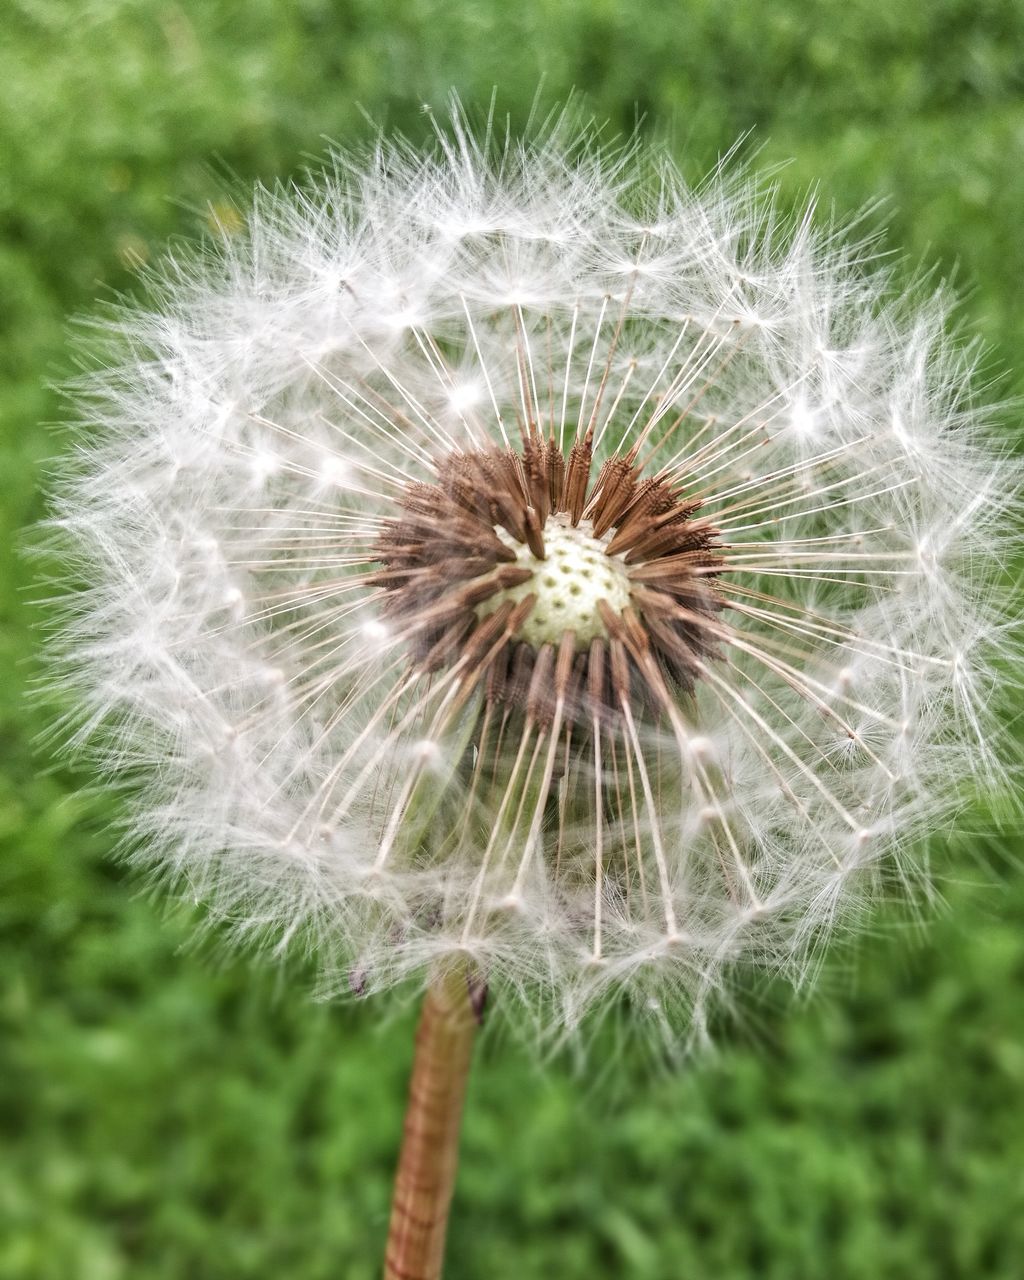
(430, 1144)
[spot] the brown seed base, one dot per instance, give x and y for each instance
(441, 558)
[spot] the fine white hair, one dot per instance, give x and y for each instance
(245, 441)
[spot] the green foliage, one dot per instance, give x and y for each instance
(165, 1114)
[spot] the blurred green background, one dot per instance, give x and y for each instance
(167, 1112)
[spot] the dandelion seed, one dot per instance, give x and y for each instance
(491, 527)
(511, 557)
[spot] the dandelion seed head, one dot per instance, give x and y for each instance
(504, 550)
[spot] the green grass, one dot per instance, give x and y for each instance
(169, 1113)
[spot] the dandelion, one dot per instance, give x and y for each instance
(509, 566)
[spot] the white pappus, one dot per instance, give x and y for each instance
(505, 549)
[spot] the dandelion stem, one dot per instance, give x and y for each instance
(425, 1178)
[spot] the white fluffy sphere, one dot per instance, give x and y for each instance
(508, 550)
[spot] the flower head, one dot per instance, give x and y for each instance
(509, 551)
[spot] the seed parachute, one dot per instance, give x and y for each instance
(507, 551)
